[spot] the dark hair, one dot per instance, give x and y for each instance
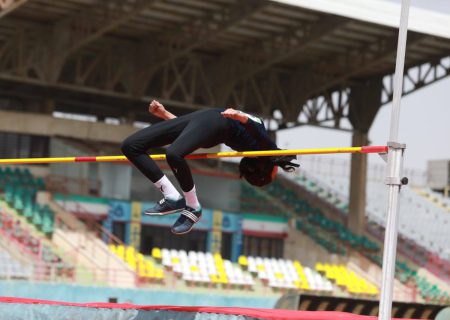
(260, 171)
(257, 171)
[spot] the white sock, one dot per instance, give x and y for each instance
(167, 188)
(191, 199)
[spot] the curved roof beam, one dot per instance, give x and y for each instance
(8, 6)
(321, 77)
(274, 50)
(185, 39)
(71, 33)
(113, 14)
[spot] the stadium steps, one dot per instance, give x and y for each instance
(332, 235)
(421, 220)
(377, 237)
(13, 264)
(35, 232)
(433, 197)
(411, 248)
(334, 204)
(298, 242)
(174, 279)
(259, 201)
(373, 273)
(73, 236)
(443, 285)
(146, 269)
(259, 289)
(367, 269)
(319, 251)
(351, 251)
(95, 257)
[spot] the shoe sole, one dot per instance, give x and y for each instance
(180, 233)
(158, 214)
(189, 230)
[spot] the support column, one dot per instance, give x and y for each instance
(358, 180)
(365, 101)
(48, 106)
(130, 118)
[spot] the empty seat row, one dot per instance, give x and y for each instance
(11, 268)
(203, 267)
(22, 199)
(18, 176)
(143, 266)
(347, 279)
(29, 242)
(281, 273)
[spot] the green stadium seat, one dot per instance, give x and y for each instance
(28, 209)
(8, 171)
(18, 202)
(9, 193)
(343, 206)
(3, 183)
(40, 184)
(37, 216)
(48, 219)
(17, 171)
(27, 173)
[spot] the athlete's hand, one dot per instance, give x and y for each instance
(235, 115)
(157, 109)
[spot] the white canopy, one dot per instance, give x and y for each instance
(380, 12)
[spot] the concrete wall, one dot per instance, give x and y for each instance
(298, 246)
(82, 294)
(46, 125)
(36, 170)
(59, 148)
(115, 180)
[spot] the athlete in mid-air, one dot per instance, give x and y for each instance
(200, 129)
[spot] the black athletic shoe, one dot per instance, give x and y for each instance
(166, 206)
(186, 220)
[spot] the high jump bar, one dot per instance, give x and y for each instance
(232, 154)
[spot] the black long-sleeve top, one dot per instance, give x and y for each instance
(251, 136)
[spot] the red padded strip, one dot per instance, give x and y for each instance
(269, 314)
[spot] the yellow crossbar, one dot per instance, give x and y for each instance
(265, 153)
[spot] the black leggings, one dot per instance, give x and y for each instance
(200, 129)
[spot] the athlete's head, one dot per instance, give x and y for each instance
(260, 171)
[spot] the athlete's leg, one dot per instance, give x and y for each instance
(135, 149)
(157, 135)
(203, 131)
(135, 146)
(207, 130)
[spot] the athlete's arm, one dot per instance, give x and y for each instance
(235, 115)
(157, 109)
(254, 126)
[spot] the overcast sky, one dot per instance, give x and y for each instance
(424, 120)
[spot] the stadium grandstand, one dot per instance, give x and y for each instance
(76, 77)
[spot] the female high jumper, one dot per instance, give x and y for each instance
(200, 129)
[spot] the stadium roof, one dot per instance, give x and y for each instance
(296, 56)
(381, 12)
